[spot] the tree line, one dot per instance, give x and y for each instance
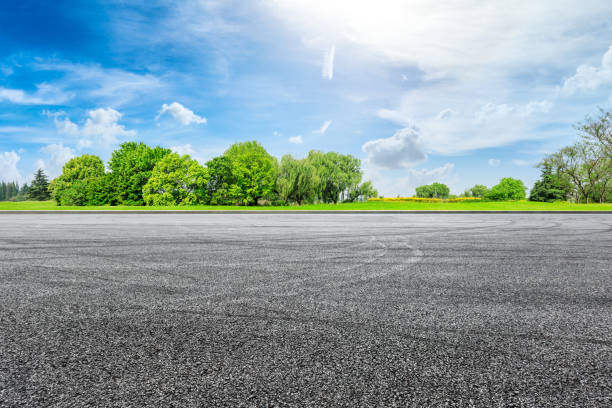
(245, 174)
(508, 189)
(38, 190)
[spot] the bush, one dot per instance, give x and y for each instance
(507, 189)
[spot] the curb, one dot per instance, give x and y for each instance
(255, 212)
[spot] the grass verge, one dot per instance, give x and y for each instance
(372, 205)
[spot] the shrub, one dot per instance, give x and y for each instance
(507, 189)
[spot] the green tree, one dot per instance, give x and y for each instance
(131, 166)
(338, 175)
(366, 190)
(507, 189)
(79, 177)
(39, 188)
(177, 180)
(584, 165)
(478, 190)
(297, 180)
(221, 182)
(434, 190)
(550, 187)
(254, 172)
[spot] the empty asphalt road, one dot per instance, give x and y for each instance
(190, 310)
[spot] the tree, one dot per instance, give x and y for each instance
(39, 189)
(365, 191)
(507, 189)
(131, 166)
(297, 180)
(598, 131)
(550, 187)
(478, 190)
(221, 181)
(435, 190)
(177, 180)
(584, 166)
(338, 175)
(254, 172)
(77, 183)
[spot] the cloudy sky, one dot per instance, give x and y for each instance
(462, 92)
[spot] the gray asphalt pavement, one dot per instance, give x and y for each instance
(486, 310)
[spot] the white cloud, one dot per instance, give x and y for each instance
(327, 70)
(446, 114)
(63, 123)
(181, 114)
(405, 184)
(44, 95)
(296, 140)
(57, 156)
(403, 149)
(589, 77)
(183, 149)
(472, 125)
(102, 125)
(323, 127)
(508, 34)
(8, 167)
(494, 162)
(108, 86)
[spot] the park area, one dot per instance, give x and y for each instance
(464, 310)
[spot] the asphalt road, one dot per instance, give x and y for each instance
(486, 310)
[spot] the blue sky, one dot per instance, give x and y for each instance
(461, 92)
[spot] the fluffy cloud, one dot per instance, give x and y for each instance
(476, 126)
(8, 166)
(45, 95)
(589, 77)
(327, 70)
(323, 127)
(403, 149)
(62, 122)
(183, 149)
(57, 156)
(406, 183)
(296, 139)
(494, 162)
(182, 114)
(102, 126)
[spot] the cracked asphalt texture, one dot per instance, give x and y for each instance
(486, 310)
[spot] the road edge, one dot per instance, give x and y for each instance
(258, 212)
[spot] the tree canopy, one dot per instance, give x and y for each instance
(508, 188)
(176, 180)
(81, 181)
(434, 190)
(131, 166)
(253, 171)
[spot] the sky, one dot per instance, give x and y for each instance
(462, 92)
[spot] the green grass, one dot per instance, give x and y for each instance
(375, 205)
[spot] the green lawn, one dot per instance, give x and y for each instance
(375, 205)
